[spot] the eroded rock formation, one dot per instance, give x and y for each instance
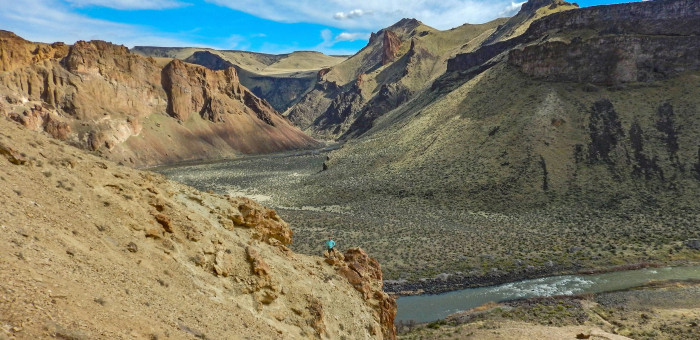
(101, 97)
(390, 47)
(365, 274)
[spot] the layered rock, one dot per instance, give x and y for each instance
(99, 96)
(211, 94)
(610, 60)
(279, 79)
(643, 41)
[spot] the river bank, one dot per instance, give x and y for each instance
(658, 310)
(424, 308)
(454, 282)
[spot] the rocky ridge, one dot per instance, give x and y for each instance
(280, 79)
(101, 97)
(602, 44)
(396, 63)
(97, 250)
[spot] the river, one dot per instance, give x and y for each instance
(426, 308)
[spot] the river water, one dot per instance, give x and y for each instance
(425, 308)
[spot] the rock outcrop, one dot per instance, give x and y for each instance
(101, 97)
(633, 42)
(212, 94)
(280, 79)
(365, 274)
(390, 47)
(610, 60)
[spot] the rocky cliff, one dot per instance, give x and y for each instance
(101, 97)
(397, 62)
(641, 43)
(100, 251)
(280, 79)
(390, 47)
(599, 44)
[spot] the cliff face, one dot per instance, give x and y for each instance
(610, 60)
(279, 79)
(134, 255)
(639, 43)
(390, 47)
(644, 32)
(397, 62)
(212, 94)
(99, 96)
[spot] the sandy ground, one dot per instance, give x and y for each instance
(92, 250)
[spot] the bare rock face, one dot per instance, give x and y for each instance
(610, 60)
(365, 274)
(642, 41)
(99, 96)
(183, 86)
(16, 52)
(638, 42)
(390, 47)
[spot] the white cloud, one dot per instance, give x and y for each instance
(128, 4)
(352, 36)
(511, 9)
(353, 14)
(51, 20)
(326, 35)
(328, 41)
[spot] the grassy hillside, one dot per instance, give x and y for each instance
(507, 166)
(352, 94)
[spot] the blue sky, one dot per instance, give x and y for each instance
(270, 26)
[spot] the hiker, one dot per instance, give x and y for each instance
(330, 244)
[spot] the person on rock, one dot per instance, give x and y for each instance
(330, 244)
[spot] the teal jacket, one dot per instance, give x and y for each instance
(330, 244)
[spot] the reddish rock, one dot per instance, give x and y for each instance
(267, 224)
(12, 155)
(257, 264)
(365, 274)
(164, 221)
(95, 95)
(390, 47)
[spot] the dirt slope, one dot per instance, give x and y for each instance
(93, 250)
(101, 97)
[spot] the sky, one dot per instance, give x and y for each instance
(268, 26)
